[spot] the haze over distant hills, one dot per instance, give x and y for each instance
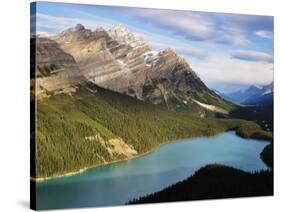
(253, 95)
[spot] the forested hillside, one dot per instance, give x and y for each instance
(212, 182)
(94, 126)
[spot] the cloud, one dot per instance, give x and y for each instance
(249, 23)
(252, 56)
(193, 26)
(198, 26)
(184, 50)
(192, 52)
(55, 24)
(264, 34)
(221, 68)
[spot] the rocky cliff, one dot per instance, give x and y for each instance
(55, 70)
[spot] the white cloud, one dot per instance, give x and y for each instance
(231, 35)
(197, 26)
(223, 68)
(252, 56)
(264, 34)
(192, 52)
(194, 26)
(184, 50)
(54, 24)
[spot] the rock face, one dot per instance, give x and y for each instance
(104, 59)
(124, 62)
(50, 58)
(55, 70)
(171, 78)
(123, 36)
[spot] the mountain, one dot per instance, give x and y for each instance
(55, 70)
(80, 124)
(104, 60)
(77, 119)
(121, 61)
(242, 95)
(258, 108)
(264, 97)
(252, 96)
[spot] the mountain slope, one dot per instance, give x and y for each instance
(121, 61)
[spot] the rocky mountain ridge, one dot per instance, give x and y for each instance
(121, 61)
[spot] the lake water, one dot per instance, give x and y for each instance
(117, 183)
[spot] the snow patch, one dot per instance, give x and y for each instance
(210, 107)
(151, 57)
(268, 91)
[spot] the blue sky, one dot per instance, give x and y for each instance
(228, 51)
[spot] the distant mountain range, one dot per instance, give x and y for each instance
(251, 96)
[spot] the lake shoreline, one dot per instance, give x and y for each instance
(42, 179)
(84, 169)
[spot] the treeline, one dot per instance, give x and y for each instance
(63, 122)
(213, 182)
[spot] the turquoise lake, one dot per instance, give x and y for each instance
(118, 183)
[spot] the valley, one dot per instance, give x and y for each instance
(90, 112)
(133, 105)
(104, 98)
(65, 124)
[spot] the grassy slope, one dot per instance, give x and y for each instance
(64, 121)
(212, 182)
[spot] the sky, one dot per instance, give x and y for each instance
(229, 52)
